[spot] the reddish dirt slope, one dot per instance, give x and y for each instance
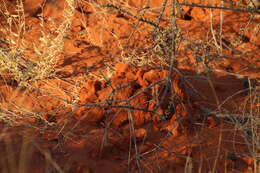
(115, 107)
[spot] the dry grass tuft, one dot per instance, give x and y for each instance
(16, 66)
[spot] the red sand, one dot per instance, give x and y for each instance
(91, 139)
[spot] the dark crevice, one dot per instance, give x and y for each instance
(187, 16)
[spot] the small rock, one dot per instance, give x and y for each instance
(140, 133)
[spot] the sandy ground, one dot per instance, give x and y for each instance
(100, 112)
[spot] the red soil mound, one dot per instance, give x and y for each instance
(102, 112)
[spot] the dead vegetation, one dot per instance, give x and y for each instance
(156, 78)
